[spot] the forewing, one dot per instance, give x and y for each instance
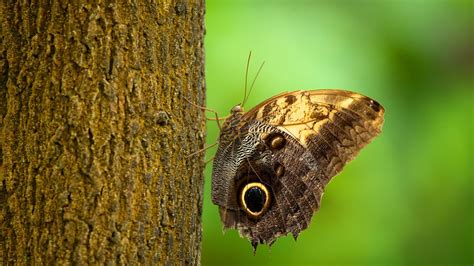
(333, 124)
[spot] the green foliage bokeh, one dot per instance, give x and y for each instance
(408, 197)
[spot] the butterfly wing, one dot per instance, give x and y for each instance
(294, 143)
(334, 124)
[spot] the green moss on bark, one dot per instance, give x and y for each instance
(95, 132)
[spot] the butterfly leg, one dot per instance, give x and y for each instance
(209, 110)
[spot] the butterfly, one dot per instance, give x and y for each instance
(274, 161)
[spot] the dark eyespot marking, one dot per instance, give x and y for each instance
(290, 99)
(264, 136)
(277, 142)
(279, 170)
(375, 106)
(255, 199)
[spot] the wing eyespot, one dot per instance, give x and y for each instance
(375, 106)
(255, 199)
(279, 170)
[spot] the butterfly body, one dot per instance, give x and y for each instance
(274, 161)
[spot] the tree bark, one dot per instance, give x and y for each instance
(96, 129)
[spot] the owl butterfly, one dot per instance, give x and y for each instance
(274, 161)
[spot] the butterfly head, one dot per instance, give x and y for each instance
(238, 109)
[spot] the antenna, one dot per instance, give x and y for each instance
(246, 75)
(253, 82)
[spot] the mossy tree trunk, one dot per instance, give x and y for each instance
(96, 129)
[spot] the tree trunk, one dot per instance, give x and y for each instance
(96, 129)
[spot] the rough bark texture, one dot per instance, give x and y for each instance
(96, 129)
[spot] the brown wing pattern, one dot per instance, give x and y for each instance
(321, 131)
(333, 124)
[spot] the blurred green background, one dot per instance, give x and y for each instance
(408, 197)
